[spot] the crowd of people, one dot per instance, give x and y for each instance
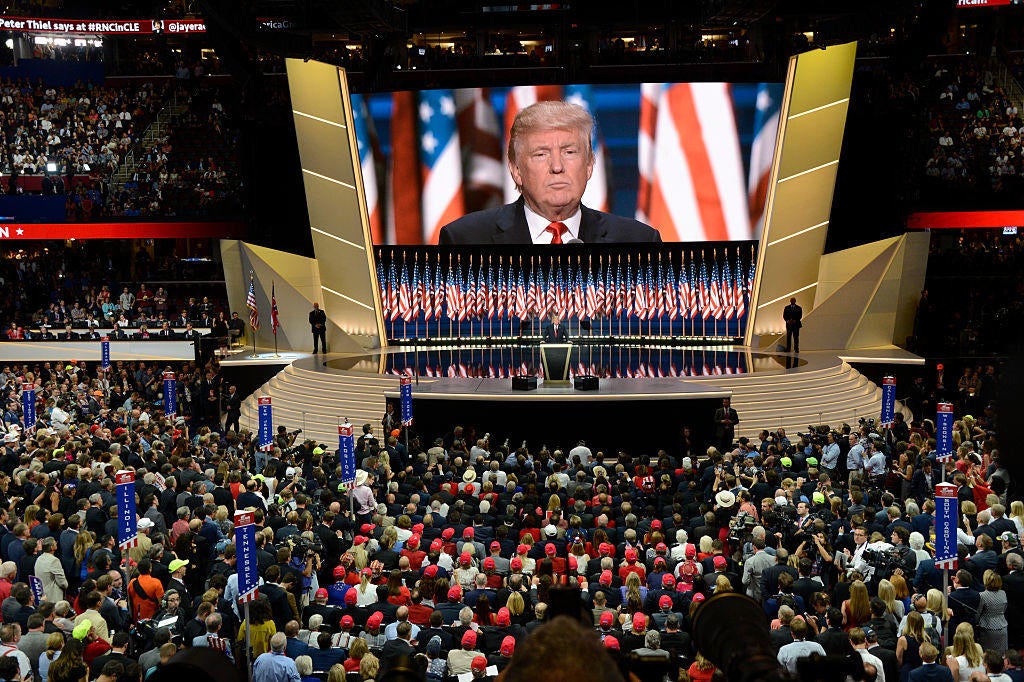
(461, 556)
(70, 288)
(79, 128)
(973, 130)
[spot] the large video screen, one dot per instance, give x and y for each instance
(672, 162)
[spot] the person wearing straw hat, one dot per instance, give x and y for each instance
(362, 495)
(468, 482)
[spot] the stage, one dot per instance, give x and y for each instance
(635, 415)
(643, 389)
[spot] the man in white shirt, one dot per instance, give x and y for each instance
(799, 648)
(859, 642)
(855, 460)
(855, 559)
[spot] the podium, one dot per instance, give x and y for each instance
(555, 359)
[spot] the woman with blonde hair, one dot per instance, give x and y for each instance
(366, 591)
(992, 625)
(908, 645)
(964, 657)
(1017, 516)
(887, 593)
(937, 607)
(857, 609)
(701, 670)
(369, 667)
(356, 651)
(633, 589)
(705, 548)
(359, 553)
(516, 606)
(722, 584)
(54, 643)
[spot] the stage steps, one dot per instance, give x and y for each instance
(825, 391)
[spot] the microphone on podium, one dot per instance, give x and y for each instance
(574, 241)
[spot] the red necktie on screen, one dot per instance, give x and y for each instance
(556, 230)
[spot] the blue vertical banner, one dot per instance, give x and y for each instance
(170, 394)
(943, 431)
(266, 419)
(947, 519)
(405, 390)
(105, 353)
(245, 553)
(888, 401)
(127, 524)
(347, 452)
(28, 405)
(36, 585)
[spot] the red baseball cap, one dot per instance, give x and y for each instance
(630, 554)
(468, 639)
(321, 593)
(574, 563)
(668, 581)
(374, 621)
(639, 621)
(508, 646)
(719, 561)
(605, 549)
(479, 662)
(606, 578)
(495, 545)
(413, 541)
(417, 528)
(699, 597)
(611, 643)
(468, 532)
(455, 593)
(431, 571)
(358, 540)
(465, 559)
(659, 561)
(516, 564)
(489, 562)
(339, 572)
(656, 524)
(607, 618)
(350, 597)
(347, 622)
(504, 617)
(448, 533)
(661, 547)
(665, 601)
(550, 549)
(691, 551)
(436, 545)
(522, 549)
(366, 528)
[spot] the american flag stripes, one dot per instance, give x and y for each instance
(766, 128)
(250, 303)
(274, 324)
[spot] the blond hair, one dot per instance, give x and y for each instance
(551, 115)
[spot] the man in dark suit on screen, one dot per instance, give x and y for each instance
(551, 159)
(793, 314)
(555, 331)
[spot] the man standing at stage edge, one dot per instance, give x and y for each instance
(726, 419)
(792, 314)
(318, 325)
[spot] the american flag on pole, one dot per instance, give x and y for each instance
(250, 303)
(439, 292)
(498, 309)
(521, 307)
(738, 293)
(274, 324)
(717, 306)
(697, 189)
(766, 128)
(427, 292)
(405, 297)
(704, 292)
(728, 298)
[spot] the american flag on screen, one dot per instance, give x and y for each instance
(596, 194)
(441, 158)
(250, 303)
(483, 167)
(766, 127)
(366, 140)
(696, 188)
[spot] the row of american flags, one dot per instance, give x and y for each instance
(254, 311)
(653, 293)
(602, 361)
(690, 159)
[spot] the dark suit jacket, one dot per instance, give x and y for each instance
(1013, 585)
(793, 314)
(931, 673)
(550, 336)
(507, 225)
